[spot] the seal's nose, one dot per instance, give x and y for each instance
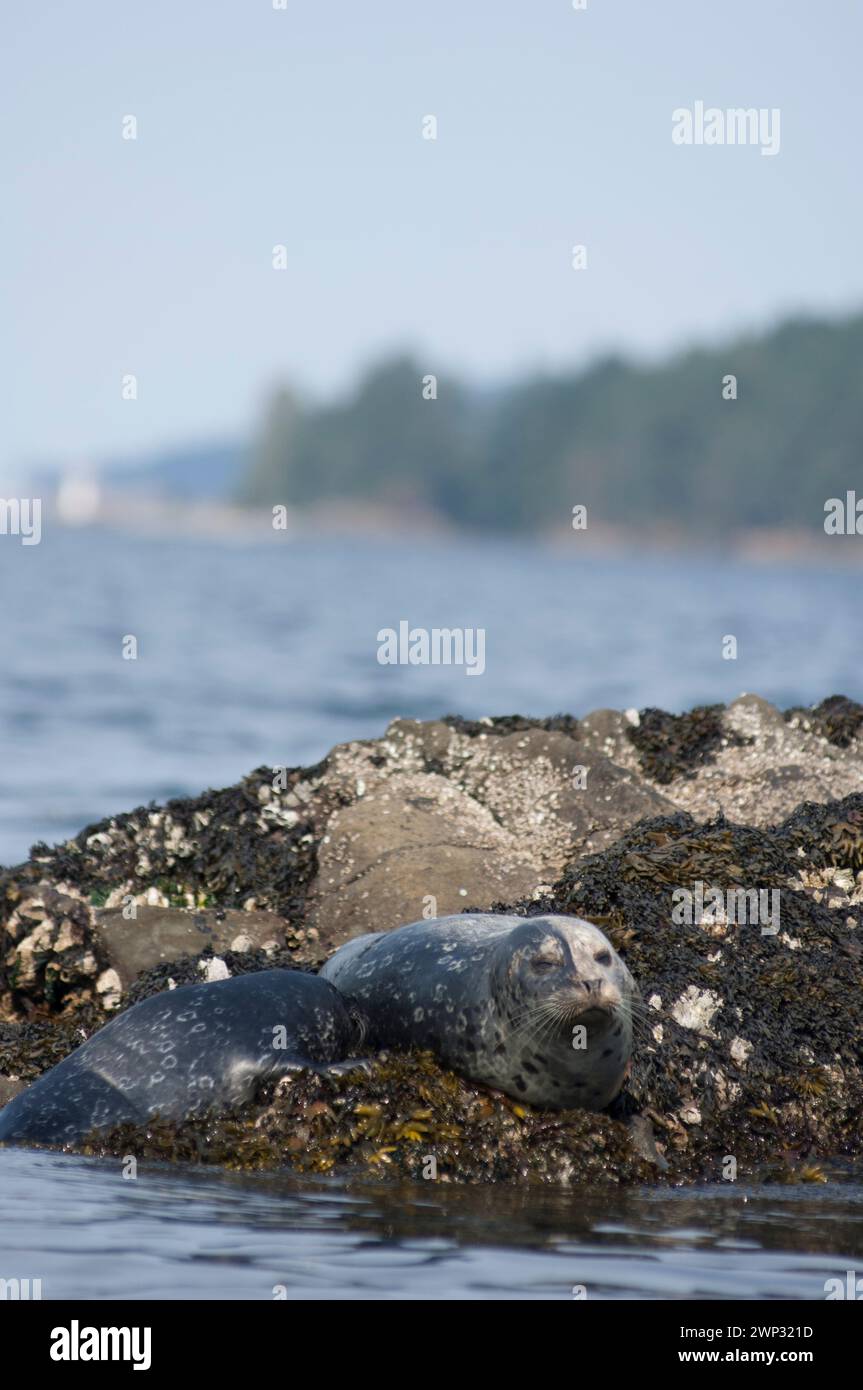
(592, 986)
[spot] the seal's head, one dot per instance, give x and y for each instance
(567, 999)
(566, 971)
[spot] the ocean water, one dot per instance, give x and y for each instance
(255, 653)
(86, 1232)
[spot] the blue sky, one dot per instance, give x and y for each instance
(302, 127)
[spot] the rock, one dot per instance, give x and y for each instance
(9, 1087)
(606, 731)
(644, 1141)
(48, 946)
(754, 718)
(768, 767)
(158, 934)
(383, 859)
(109, 989)
(559, 791)
(465, 819)
(214, 968)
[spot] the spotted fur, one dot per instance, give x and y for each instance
(182, 1052)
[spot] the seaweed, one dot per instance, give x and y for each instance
(676, 745)
(402, 1116)
(837, 719)
(503, 724)
(218, 847)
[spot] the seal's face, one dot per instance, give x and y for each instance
(562, 1020)
(563, 972)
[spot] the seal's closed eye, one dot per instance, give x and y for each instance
(545, 963)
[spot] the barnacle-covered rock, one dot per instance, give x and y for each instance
(48, 950)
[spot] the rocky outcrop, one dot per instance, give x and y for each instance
(431, 820)
(749, 1044)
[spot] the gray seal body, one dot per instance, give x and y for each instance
(182, 1052)
(538, 1007)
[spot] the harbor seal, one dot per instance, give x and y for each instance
(539, 1007)
(182, 1052)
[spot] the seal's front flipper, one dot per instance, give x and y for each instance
(288, 1071)
(292, 1067)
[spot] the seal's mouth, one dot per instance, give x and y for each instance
(556, 1016)
(592, 1015)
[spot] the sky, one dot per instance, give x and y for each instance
(302, 127)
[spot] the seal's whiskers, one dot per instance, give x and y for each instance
(636, 1015)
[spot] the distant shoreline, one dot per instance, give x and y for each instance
(164, 516)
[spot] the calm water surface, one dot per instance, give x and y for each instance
(193, 1233)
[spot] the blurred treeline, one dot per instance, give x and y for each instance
(634, 443)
